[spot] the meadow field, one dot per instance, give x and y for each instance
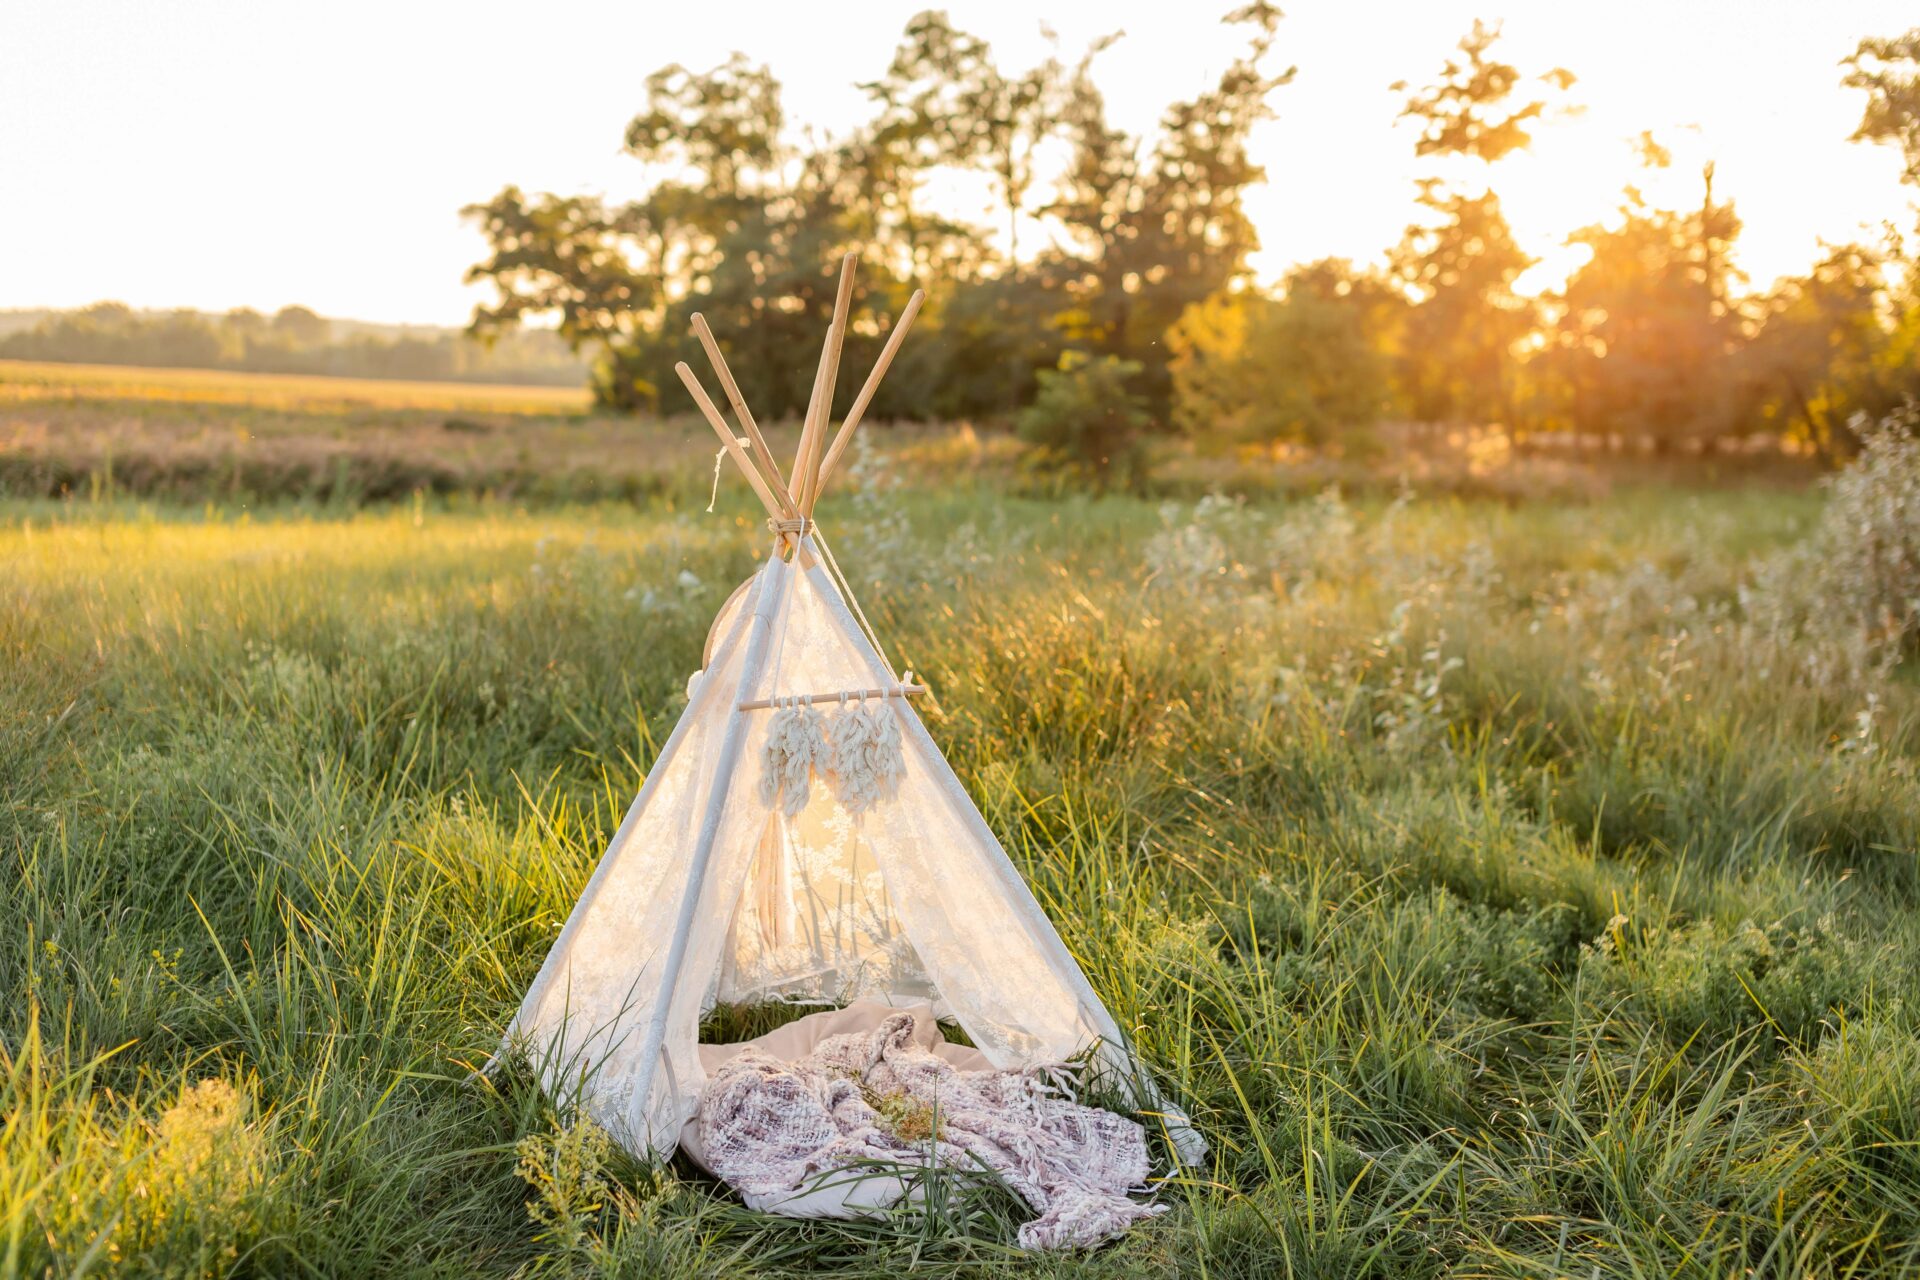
(27, 381)
(1512, 879)
(248, 440)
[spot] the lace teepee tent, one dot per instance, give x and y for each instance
(714, 890)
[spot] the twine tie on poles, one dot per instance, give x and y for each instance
(719, 460)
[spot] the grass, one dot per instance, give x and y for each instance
(1493, 903)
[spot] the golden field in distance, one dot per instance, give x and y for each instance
(23, 381)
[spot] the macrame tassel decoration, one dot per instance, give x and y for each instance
(796, 746)
(864, 759)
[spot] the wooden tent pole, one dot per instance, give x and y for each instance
(773, 590)
(808, 426)
(865, 398)
(836, 339)
(732, 391)
(720, 428)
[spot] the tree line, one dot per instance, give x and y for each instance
(751, 216)
(292, 340)
(1651, 340)
(1136, 314)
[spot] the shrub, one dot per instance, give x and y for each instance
(1870, 537)
(1086, 420)
(1846, 601)
(1301, 368)
(1717, 982)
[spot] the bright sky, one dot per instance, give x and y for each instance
(221, 153)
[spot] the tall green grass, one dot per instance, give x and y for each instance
(1493, 901)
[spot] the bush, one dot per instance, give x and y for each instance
(1718, 982)
(1871, 533)
(1300, 369)
(619, 382)
(1848, 597)
(1086, 420)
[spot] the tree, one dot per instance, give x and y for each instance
(246, 322)
(1821, 353)
(1085, 419)
(1312, 366)
(107, 315)
(185, 339)
(301, 327)
(565, 257)
(111, 333)
(724, 124)
(608, 274)
(746, 225)
(944, 101)
(1647, 338)
(1472, 110)
(1151, 232)
(1466, 318)
(1460, 267)
(749, 231)
(1888, 70)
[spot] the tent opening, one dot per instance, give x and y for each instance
(815, 923)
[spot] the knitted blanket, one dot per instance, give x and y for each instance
(771, 1129)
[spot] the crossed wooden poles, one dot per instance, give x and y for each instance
(790, 506)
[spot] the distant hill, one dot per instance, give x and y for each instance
(292, 340)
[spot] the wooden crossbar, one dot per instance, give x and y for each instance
(850, 695)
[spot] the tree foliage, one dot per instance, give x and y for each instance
(1646, 342)
(293, 340)
(1472, 110)
(1467, 318)
(1086, 419)
(1888, 70)
(1820, 356)
(1105, 296)
(746, 224)
(1460, 264)
(1312, 366)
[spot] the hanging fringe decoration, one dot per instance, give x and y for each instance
(796, 746)
(857, 750)
(864, 759)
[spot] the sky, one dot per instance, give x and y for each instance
(217, 154)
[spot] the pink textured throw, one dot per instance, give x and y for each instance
(771, 1129)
